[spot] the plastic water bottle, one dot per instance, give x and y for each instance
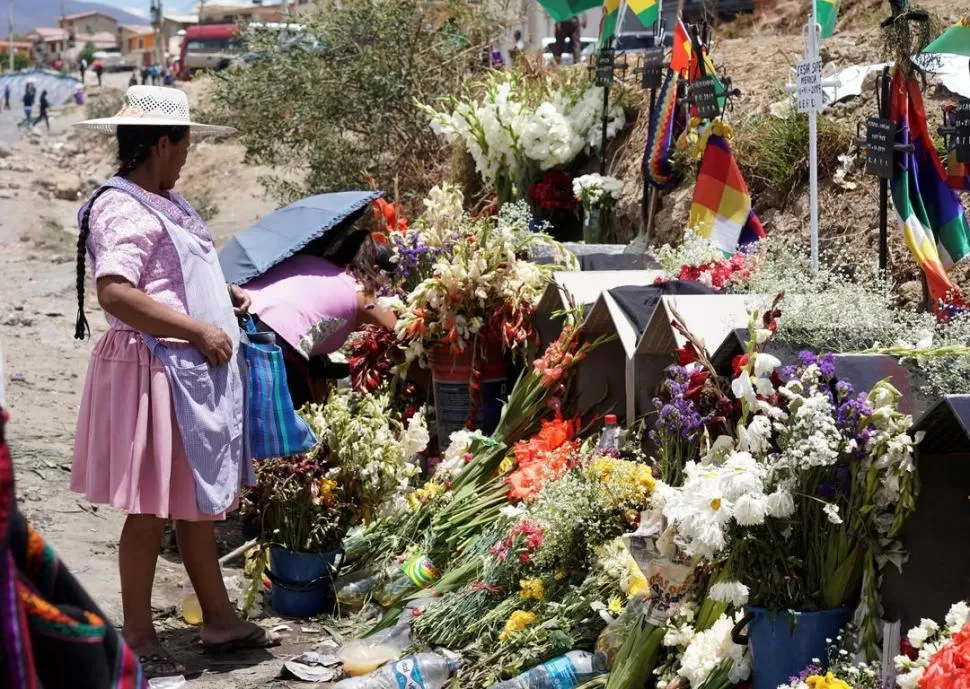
(609, 442)
(421, 671)
(565, 672)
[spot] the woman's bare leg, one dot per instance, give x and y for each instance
(141, 540)
(197, 545)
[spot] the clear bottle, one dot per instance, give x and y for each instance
(421, 671)
(565, 672)
(191, 608)
(609, 442)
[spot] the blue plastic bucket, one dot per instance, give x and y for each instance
(783, 643)
(302, 582)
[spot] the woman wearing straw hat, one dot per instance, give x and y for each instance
(160, 428)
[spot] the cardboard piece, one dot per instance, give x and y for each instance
(646, 355)
(584, 288)
(937, 573)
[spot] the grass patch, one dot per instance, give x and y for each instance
(204, 205)
(772, 153)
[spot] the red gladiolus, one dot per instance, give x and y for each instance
(950, 667)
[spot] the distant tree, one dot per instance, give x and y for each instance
(341, 101)
(87, 52)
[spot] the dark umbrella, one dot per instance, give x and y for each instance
(284, 232)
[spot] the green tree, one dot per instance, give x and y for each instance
(87, 52)
(340, 101)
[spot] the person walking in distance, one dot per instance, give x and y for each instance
(567, 31)
(518, 46)
(44, 107)
(82, 67)
(6, 95)
(30, 93)
(99, 70)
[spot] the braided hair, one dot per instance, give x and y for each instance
(135, 143)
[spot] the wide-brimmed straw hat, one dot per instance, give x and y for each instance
(154, 106)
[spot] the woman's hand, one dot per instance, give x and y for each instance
(241, 300)
(214, 344)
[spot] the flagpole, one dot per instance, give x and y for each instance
(813, 141)
(10, 35)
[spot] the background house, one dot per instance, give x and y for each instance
(226, 14)
(89, 26)
(48, 43)
(136, 40)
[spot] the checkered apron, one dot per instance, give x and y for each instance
(209, 400)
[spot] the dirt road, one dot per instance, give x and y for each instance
(42, 179)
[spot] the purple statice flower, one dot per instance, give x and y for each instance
(849, 417)
(677, 416)
(807, 357)
(789, 373)
(411, 254)
(826, 364)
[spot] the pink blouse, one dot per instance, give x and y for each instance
(128, 241)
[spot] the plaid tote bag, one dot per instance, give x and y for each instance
(275, 429)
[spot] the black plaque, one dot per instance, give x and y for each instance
(961, 138)
(652, 68)
(604, 66)
(704, 93)
(880, 140)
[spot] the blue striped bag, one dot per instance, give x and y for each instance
(275, 429)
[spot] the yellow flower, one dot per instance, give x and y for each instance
(560, 575)
(327, 487)
(531, 588)
(506, 465)
(636, 583)
(518, 620)
(829, 681)
(614, 606)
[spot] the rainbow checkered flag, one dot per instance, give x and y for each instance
(647, 11)
(827, 13)
(721, 208)
(928, 210)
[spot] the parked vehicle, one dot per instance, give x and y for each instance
(208, 46)
(114, 61)
(587, 48)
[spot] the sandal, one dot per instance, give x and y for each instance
(160, 665)
(258, 638)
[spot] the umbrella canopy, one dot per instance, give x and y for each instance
(284, 232)
(561, 10)
(955, 40)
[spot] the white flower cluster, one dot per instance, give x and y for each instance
(713, 649)
(694, 250)
(715, 496)
(459, 444)
(504, 132)
(596, 190)
(928, 638)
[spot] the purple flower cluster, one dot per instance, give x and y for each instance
(850, 416)
(412, 254)
(812, 669)
(677, 416)
(825, 362)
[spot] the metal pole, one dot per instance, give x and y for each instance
(606, 119)
(884, 183)
(10, 33)
(649, 200)
(813, 144)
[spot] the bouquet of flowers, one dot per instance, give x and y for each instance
(931, 651)
(511, 125)
(804, 488)
(553, 192)
(597, 191)
(480, 292)
(704, 659)
(840, 671)
(700, 260)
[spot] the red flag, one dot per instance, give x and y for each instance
(680, 60)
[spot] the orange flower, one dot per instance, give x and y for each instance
(950, 667)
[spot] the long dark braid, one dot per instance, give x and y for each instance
(135, 144)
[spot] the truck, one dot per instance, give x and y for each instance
(114, 61)
(208, 46)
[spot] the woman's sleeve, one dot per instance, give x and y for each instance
(123, 234)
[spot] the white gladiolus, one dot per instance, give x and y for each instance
(733, 592)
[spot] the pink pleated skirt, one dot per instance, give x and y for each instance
(128, 451)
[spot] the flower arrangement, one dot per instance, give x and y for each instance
(929, 663)
(553, 192)
(478, 284)
(805, 469)
(840, 671)
(707, 659)
(597, 191)
(511, 125)
(547, 455)
(700, 260)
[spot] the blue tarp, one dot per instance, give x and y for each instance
(60, 88)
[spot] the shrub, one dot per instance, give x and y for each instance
(341, 102)
(773, 154)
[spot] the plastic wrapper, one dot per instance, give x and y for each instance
(611, 639)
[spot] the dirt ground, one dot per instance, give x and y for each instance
(42, 179)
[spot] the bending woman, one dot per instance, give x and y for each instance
(314, 303)
(160, 426)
